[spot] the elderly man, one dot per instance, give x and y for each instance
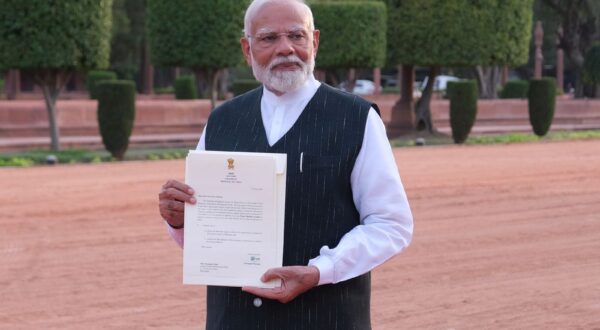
(346, 210)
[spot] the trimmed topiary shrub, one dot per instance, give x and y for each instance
(185, 88)
(1, 87)
(116, 114)
(516, 89)
(591, 66)
(542, 101)
(242, 86)
(463, 108)
(93, 77)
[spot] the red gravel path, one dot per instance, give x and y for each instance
(507, 237)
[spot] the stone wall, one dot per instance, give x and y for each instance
(160, 121)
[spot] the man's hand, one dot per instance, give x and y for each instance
(295, 280)
(171, 201)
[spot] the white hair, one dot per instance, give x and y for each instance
(285, 81)
(256, 5)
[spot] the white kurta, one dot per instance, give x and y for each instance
(386, 220)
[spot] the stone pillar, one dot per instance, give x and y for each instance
(377, 80)
(399, 77)
(539, 57)
(79, 82)
(148, 71)
(13, 85)
(148, 79)
(560, 61)
(6, 83)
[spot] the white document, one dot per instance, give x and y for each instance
(234, 232)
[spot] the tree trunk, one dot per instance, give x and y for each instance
(203, 82)
(488, 79)
(351, 81)
(50, 99)
(52, 81)
(403, 119)
(148, 70)
(422, 110)
(223, 80)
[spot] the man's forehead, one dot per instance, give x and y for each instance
(288, 28)
(281, 16)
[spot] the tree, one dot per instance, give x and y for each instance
(454, 33)
(53, 39)
(202, 35)
(361, 44)
(580, 22)
(128, 38)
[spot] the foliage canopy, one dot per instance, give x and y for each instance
(353, 34)
(459, 32)
(196, 34)
(66, 34)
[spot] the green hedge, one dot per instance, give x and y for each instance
(94, 77)
(516, 89)
(116, 114)
(242, 86)
(353, 34)
(185, 88)
(542, 101)
(1, 87)
(463, 108)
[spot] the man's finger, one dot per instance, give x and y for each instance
(273, 273)
(179, 186)
(176, 194)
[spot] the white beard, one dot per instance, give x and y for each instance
(283, 81)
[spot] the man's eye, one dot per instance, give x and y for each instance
(296, 36)
(269, 38)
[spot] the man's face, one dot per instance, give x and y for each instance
(281, 46)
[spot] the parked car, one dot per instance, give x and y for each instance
(440, 84)
(361, 87)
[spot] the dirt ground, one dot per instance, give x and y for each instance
(506, 237)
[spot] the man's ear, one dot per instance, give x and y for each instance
(245, 43)
(316, 34)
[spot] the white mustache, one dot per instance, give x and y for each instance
(291, 59)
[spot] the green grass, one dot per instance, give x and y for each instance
(441, 139)
(72, 156)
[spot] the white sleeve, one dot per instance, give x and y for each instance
(177, 234)
(386, 220)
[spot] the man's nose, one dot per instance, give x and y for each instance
(284, 46)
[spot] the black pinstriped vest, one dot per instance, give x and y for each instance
(319, 208)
